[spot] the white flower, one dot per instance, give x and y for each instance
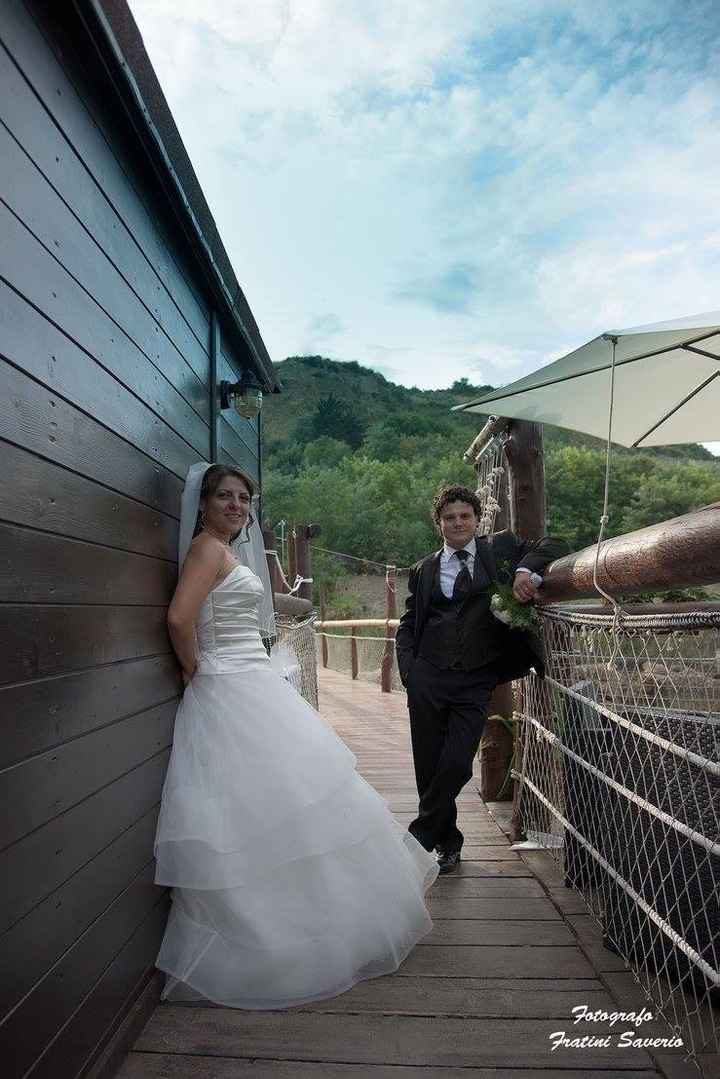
(499, 610)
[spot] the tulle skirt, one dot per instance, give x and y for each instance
(291, 880)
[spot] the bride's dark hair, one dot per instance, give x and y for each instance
(212, 480)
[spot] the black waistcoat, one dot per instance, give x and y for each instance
(461, 633)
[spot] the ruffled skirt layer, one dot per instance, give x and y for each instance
(291, 880)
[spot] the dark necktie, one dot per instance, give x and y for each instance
(463, 581)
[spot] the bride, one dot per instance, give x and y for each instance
(291, 880)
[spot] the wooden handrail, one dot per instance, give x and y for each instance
(683, 552)
(359, 623)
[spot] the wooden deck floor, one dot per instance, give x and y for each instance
(511, 952)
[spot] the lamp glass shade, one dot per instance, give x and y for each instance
(248, 404)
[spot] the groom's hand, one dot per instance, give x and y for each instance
(523, 588)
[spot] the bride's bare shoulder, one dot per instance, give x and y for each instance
(206, 552)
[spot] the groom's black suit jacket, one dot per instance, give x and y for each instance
(512, 652)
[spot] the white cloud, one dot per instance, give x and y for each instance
(449, 188)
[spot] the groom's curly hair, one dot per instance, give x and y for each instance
(454, 492)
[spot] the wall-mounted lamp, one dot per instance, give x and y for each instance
(244, 396)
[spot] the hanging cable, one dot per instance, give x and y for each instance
(617, 609)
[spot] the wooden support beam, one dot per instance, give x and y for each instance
(524, 454)
(683, 552)
(493, 427)
(390, 613)
(303, 561)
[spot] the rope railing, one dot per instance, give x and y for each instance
(618, 766)
(368, 656)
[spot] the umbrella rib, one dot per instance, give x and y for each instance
(499, 396)
(702, 352)
(693, 393)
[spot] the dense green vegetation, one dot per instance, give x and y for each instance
(348, 449)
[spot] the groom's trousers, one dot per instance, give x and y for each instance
(448, 709)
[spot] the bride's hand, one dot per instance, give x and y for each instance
(187, 676)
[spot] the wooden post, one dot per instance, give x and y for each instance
(323, 638)
(277, 578)
(292, 562)
(303, 562)
(524, 453)
(386, 669)
(526, 482)
(496, 746)
(354, 666)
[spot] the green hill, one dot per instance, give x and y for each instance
(362, 457)
(307, 380)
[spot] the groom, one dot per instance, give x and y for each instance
(452, 652)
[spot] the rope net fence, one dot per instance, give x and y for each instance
(297, 649)
(618, 766)
(372, 649)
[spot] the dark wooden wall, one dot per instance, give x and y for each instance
(105, 331)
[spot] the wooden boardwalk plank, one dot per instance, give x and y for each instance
(374, 1039)
(479, 996)
(506, 932)
(172, 1066)
(497, 961)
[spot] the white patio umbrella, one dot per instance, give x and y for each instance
(666, 385)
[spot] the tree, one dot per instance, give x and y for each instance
(332, 418)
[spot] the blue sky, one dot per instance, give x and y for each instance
(452, 188)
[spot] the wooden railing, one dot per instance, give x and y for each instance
(389, 625)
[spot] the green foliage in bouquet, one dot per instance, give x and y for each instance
(506, 608)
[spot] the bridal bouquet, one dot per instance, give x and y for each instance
(508, 610)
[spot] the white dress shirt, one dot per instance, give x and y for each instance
(450, 566)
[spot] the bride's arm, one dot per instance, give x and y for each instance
(200, 573)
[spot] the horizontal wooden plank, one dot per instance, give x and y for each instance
(36, 942)
(42, 714)
(86, 1034)
(79, 120)
(25, 117)
(32, 1025)
(41, 640)
(476, 852)
(448, 961)
(36, 203)
(35, 791)
(43, 423)
(45, 859)
(50, 498)
(174, 1066)
(36, 275)
(38, 567)
(481, 998)
(374, 1039)
(151, 468)
(515, 909)
(478, 933)
(489, 867)
(461, 887)
(240, 454)
(121, 1035)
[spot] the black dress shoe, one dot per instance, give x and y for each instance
(448, 860)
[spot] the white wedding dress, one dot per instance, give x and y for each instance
(291, 880)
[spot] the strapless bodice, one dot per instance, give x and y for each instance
(227, 631)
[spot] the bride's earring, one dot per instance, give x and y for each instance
(202, 518)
